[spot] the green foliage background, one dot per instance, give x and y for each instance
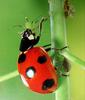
(76, 42)
(13, 12)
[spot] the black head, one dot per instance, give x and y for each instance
(27, 33)
(28, 40)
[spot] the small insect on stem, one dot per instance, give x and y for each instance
(68, 9)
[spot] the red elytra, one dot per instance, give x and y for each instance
(38, 59)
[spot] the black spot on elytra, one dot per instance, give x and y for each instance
(42, 59)
(48, 84)
(21, 58)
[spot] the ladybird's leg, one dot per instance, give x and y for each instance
(47, 45)
(48, 49)
(55, 49)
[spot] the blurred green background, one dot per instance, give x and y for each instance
(76, 42)
(13, 12)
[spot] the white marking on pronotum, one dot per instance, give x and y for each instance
(31, 37)
(24, 81)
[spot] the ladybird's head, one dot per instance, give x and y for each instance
(37, 71)
(28, 34)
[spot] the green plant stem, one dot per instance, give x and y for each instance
(58, 30)
(9, 76)
(58, 40)
(67, 54)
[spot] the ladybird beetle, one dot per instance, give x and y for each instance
(34, 64)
